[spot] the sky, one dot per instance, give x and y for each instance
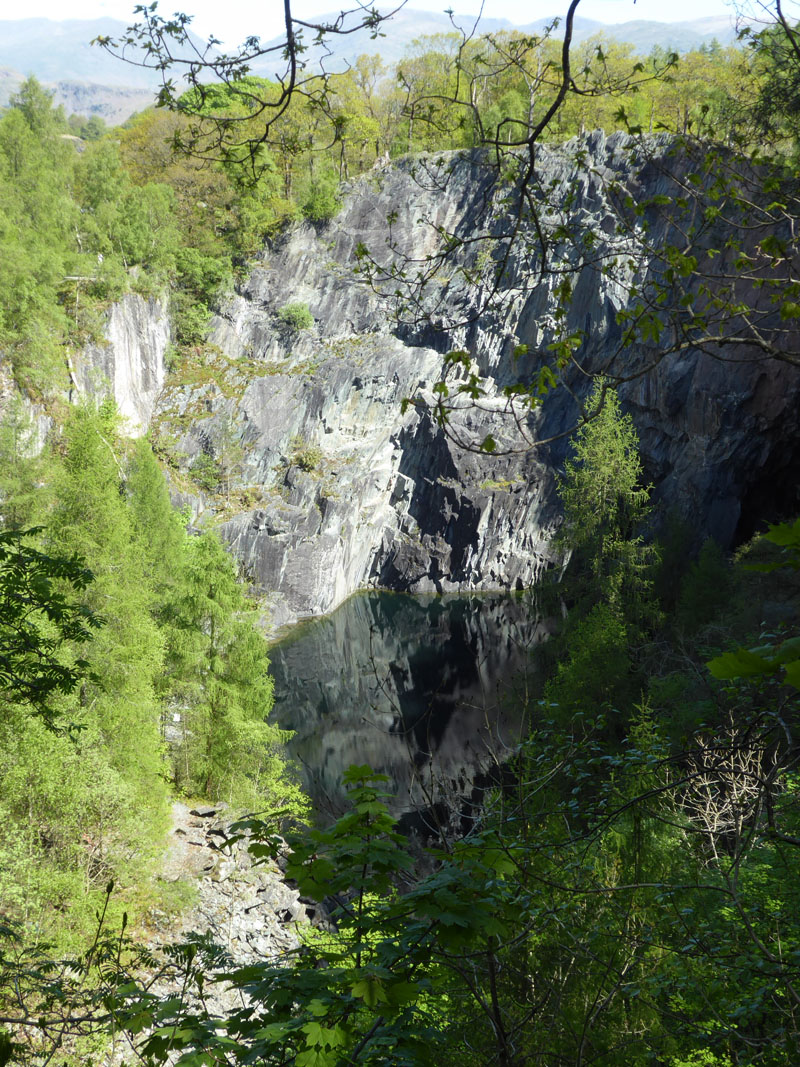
(234, 20)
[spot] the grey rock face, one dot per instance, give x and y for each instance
(130, 364)
(349, 490)
(39, 421)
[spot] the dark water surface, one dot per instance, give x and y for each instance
(429, 690)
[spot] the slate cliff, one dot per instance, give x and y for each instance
(332, 486)
(127, 363)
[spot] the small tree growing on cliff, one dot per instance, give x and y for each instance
(296, 316)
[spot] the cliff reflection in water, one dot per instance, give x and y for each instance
(428, 690)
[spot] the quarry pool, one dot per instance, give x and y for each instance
(429, 690)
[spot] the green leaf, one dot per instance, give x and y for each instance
(742, 663)
(789, 650)
(315, 1057)
(401, 993)
(370, 990)
(315, 1034)
(785, 534)
(464, 358)
(773, 246)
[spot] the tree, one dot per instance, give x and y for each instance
(218, 684)
(367, 108)
(35, 104)
(693, 285)
(121, 708)
(773, 113)
(230, 134)
(37, 222)
(24, 482)
(42, 614)
(158, 528)
(606, 506)
(561, 927)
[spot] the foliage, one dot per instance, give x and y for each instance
(81, 806)
(304, 455)
(612, 904)
(218, 682)
(704, 589)
(322, 200)
(619, 900)
(296, 316)
(596, 672)
(40, 613)
(774, 62)
(78, 229)
(26, 486)
(157, 210)
(605, 509)
(773, 657)
(205, 471)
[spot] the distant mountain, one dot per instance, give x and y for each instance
(409, 24)
(89, 81)
(62, 51)
(390, 45)
(677, 36)
(84, 78)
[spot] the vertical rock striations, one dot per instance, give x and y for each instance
(130, 364)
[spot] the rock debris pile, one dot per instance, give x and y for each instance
(246, 910)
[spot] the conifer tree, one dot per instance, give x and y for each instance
(157, 527)
(25, 488)
(218, 663)
(606, 507)
(121, 714)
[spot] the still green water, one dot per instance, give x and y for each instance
(429, 690)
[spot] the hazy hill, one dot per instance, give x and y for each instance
(409, 24)
(85, 78)
(62, 51)
(89, 81)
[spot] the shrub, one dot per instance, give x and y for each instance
(304, 455)
(296, 316)
(205, 472)
(705, 588)
(322, 202)
(191, 318)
